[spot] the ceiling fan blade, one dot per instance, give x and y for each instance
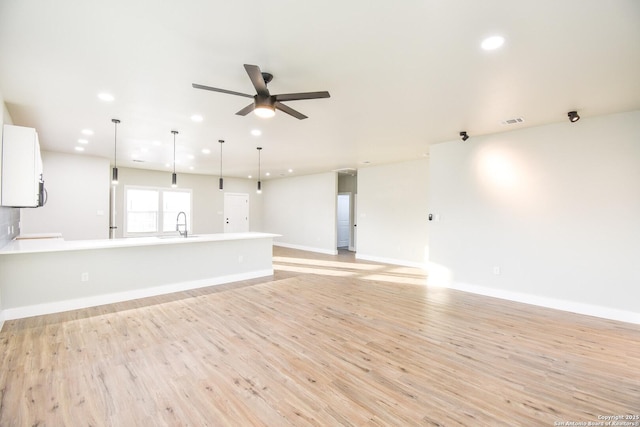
(246, 110)
(256, 78)
(215, 89)
(298, 96)
(290, 111)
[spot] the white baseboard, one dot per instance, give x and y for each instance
(392, 261)
(558, 304)
(307, 248)
(79, 303)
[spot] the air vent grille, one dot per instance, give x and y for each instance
(513, 121)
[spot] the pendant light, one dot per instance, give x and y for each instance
(174, 177)
(114, 171)
(221, 185)
(259, 183)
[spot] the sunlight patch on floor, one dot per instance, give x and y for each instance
(322, 263)
(396, 279)
(311, 270)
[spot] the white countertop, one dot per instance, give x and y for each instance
(39, 236)
(60, 245)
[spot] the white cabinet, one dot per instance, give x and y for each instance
(21, 181)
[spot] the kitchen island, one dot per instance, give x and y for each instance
(41, 276)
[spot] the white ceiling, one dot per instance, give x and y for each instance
(402, 75)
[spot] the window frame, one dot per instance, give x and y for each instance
(160, 217)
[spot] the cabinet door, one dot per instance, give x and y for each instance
(19, 186)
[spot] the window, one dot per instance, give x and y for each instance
(153, 211)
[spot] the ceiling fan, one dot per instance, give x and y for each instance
(264, 104)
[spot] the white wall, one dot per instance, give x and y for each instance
(78, 198)
(392, 213)
(303, 210)
(207, 199)
(556, 208)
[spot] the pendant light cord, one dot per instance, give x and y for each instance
(115, 142)
(115, 145)
(174, 132)
(259, 150)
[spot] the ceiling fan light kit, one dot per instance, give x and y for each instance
(264, 111)
(264, 104)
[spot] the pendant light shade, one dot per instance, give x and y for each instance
(114, 171)
(221, 182)
(174, 177)
(259, 183)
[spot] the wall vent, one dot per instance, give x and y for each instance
(513, 121)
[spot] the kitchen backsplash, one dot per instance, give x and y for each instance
(8, 217)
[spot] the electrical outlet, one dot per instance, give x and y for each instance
(240, 258)
(496, 270)
(84, 277)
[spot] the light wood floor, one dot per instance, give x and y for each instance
(327, 341)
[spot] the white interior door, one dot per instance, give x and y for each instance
(344, 222)
(236, 213)
(355, 223)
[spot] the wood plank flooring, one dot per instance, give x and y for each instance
(326, 341)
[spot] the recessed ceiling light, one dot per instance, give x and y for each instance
(256, 132)
(290, 170)
(249, 177)
(190, 156)
(83, 141)
(144, 150)
(106, 96)
(206, 151)
(79, 148)
(167, 165)
(492, 43)
(196, 118)
(267, 174)
(87, 132)
(190, 167)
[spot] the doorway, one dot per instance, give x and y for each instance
(236, 212)
(345, 221)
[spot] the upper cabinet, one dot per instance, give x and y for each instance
(21, 182)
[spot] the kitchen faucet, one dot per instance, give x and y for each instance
(182, 233)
